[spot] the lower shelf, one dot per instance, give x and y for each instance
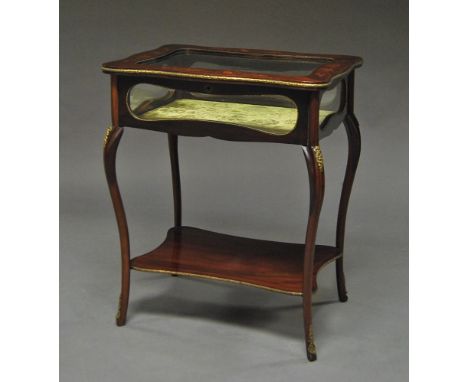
(264, 264)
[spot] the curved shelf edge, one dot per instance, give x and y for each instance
(222, 279)
(270, 265)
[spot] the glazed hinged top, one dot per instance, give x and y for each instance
(286, 69)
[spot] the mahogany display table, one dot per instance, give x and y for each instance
(236, 95)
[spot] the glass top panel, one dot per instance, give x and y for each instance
(226, 61)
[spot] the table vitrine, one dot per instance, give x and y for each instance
(236, 95)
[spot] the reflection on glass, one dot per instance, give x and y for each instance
(216, 61)
(331, 99)
(271, 114)
(330, 103)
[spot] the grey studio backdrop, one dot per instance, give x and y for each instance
(182, 329)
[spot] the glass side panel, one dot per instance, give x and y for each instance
(330, 103)
(271, 114)
(331, 99)
(218, 61)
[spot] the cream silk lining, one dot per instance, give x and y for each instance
(269, 119)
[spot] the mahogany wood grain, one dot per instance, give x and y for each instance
(332, 69)
(266, 264)
(115, 100)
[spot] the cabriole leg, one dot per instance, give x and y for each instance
(314, 161)
(354, 151)
(111, 142)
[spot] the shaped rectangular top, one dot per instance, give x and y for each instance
(284, 69)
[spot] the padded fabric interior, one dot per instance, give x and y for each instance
(269, 119)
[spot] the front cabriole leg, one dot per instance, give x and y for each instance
(111, 143)
(315, 169)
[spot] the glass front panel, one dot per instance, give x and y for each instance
(271, 114)
(219, 61)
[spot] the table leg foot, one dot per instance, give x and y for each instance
(311, 356)
(311, 349)
(121, 317)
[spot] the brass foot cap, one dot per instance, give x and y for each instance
(311, 356)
